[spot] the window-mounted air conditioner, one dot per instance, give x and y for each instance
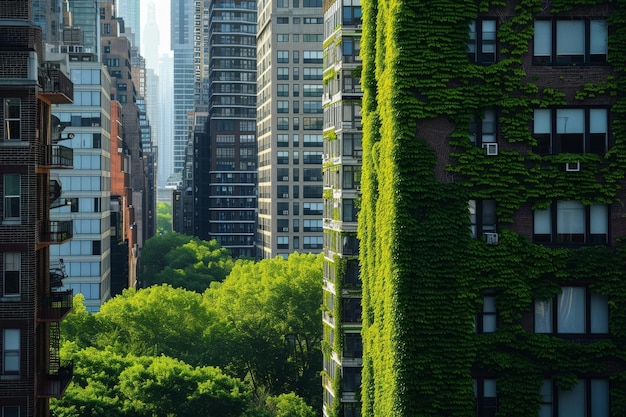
(572, 166)
(492, 148)
(491, 238)
(285, 211)
(285, 195)
(285, 229)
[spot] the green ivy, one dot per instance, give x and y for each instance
(423, 276)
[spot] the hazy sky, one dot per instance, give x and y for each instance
(163, 21)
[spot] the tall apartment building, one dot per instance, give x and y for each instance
(88, 256)
(130, 11)
(225, 166)
(289, 127)
(342, 134)
(492, 221)
(31, 301)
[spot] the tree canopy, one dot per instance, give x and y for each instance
(183, 262)
(164, 217)
(253, 339)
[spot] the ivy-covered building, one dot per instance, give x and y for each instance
(492, 213)
(342, 95)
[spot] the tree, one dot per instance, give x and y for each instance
(183, 261)
(164, 217)
(289, 405)
(272, 309)
(106, 384)
(160, 320)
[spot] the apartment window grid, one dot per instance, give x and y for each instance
(12, 184)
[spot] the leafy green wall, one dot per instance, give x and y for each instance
(423, 277)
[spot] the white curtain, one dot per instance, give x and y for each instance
(571, 310)
(572, 403)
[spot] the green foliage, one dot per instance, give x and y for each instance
(260, 326)
(183, 262)
(423, 277)
(272, 309)
(164, 217)
(107, 384)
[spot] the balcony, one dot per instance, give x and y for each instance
(56, 381)
(57, 231)
(56, 156)
(56, 305)
(55, 86)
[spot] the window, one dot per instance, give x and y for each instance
(350, 210)
(312, 3)
(283, 106)
(282, 141)
(312, 225)
(482, 217)
(283, 158)
(283, 123)
(588, 398)
(312, 157)
(486, 399)
(481, 47)
(570, 222)
(312, 141)
(312, 57)
(313, 123)
(484, 130)
(283, 37)
(570, 42)
(576, 131)
(282, 20)
(351, 310)
(296, 57)
(312, 107)
(351, 176)
(12, 267)
(283, 242)
(283, 73)
(12, 119)
(486, 320)
(351, 12)
(313, 20)
(10, 411)
(11, 351)
(312, 242)
(353, 346)
(351, 380)
(312, 90)
(312, 208)
(12, 188)
(283, 57)
(576, 310)
(283, 90)
(312, 73)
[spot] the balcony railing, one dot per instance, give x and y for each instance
(54, 383)
(56, 156)
(56, 305)
(57, 231)
(56, 86)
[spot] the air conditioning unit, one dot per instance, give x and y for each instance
(492, 148)
(572, 166)
(285, 195)
(285, 178)
(358, 188)
(491, 238)
(285, 229)
(285, 211)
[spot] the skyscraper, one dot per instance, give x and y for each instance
(289, 126)
(130, 11)
(224, 150)
(182, 15)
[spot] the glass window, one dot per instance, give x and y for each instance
(576, 42)
(12, 119)
(12, 268)
(481, 46)
(12, 190)
(567, 313)
(11, 351)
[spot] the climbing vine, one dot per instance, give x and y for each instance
(423, 276)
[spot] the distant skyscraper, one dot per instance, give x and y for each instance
(182, 46)
(166, 119)
(130, 11)
(150, 47)
(48, 14)
(289, 125)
